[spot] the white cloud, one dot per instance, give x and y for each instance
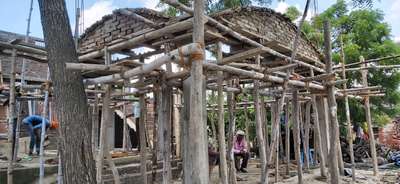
(97, 11)
(394, 9)
(152, 4)
(397, 39)
(282, 7)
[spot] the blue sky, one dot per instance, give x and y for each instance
(13, 13)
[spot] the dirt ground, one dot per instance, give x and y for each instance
(386, 176)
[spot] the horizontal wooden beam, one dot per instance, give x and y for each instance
(177, 55)
(243, 55)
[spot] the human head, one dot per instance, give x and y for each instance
(54, 124)
(240, 134)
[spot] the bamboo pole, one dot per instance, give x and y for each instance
(333, 164)
(43, 131)
(318, 139)
(221, 122)
(296, 134)
(11, 117)
(142, 138)
(348, 120)
(231, 135)
(364, 74)
(259, 130)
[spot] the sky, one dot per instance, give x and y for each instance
(14, 13)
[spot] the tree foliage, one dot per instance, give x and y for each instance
(364, 34)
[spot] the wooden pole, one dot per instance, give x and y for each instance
(259, 130)
(333, 160)
(165, 118)
(142, 130)
(198, 156)
(95, 125)
(43, 131)
(296, 134)
(317, 129)
(221, 122)
(212, 120)
(287, 138)
(107, 120)
(231, 135)
(125, 130)
(306, 140)
(348, 120)
(278, 129)
(364, 74)
(11, 117)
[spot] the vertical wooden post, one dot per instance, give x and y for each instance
(165, 117)
(323, 121)
(333, 164)
(364, 74)
(306, 140)
(296, 133)
(176, 122)
(278, 135)
(287, 138)
(231, 100)
(11, 117)
(259, 130)
(317, 129)
(348, 120)
(246, 124)
(212, 119)
(198, 157)
(264, 120)
(106, 120)
(95, 125)
(43, 130)
(142, 138)
(221, 122)
(156, 137)
(124, 128)
(105, 123)
(1, 73)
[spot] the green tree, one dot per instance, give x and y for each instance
(364, 34)
(292, 13)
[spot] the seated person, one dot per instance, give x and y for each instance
(240, 151)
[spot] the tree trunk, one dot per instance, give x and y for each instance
(70, 97)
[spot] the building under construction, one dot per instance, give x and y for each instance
(152, 82)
